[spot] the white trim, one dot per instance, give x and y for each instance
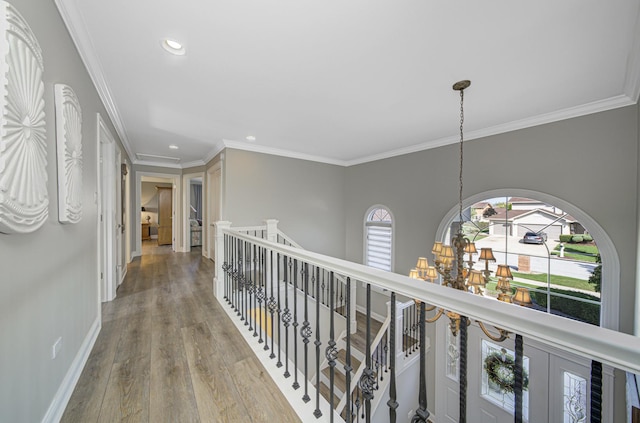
(62, 396)
(78, 31)
(571, 112)
(106, 226)
(194, 163)
(208, 234)
(283, 153)
(610, 295)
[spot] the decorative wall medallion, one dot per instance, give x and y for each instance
(23, 154)
(69, 150)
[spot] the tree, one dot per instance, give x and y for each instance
(596, 276)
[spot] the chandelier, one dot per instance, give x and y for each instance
(454, 262)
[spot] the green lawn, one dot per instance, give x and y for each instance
(557, 280)
(582, 252)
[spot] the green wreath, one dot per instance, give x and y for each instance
(500, 368)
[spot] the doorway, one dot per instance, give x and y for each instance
(147, 218)
(107, 203)
(193, 212)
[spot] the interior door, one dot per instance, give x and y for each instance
(165, 215)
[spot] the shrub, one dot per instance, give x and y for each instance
(587, 238)
(566, 237)
(585, 312)
(577, 239)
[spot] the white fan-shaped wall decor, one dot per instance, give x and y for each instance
(69, 149)
(23, 152)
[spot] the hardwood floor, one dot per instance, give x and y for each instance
(167, 352)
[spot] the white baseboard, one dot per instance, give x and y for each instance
(61, 399)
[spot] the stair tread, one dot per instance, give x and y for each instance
(339, 378)
(342, 357)
(326, 392)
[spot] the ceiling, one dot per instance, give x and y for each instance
(347, 82)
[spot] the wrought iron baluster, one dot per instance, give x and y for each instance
(242, 306)
(367, 379)
(254, 288)
(462, 362)
(393, 403)
(286, 318)
(263, 299)
(404, 331)
(279, 363)
(272, 304)
(416, 328)
(596, 392)
(518, 380)
(422, 414)
(323, 286)
(317, 411)
(225, 264)
(306, 331)
(331, 352)
(232, 266)
(259, 293)
(295, 385)
(249, 283)
(347, 366)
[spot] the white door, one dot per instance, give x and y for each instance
(107, 211)
(557, 388)
(119, 223)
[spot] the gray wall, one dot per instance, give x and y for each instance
(590, 161)
(306, 197)
(49, 277)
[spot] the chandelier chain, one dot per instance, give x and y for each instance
(461, 157)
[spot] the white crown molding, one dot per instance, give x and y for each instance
(568, 113)
(157, 164)
(283, 153)
(80, 36)
(632, 78)
(194, 163)
(214, 152)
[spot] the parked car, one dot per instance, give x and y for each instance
(534, 238)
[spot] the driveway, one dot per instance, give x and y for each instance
(540, 262)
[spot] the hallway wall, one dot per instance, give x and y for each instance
(49, 278)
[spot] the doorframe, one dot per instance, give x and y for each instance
(107, 272)
(212, 204)
(176, 228)
(186, 209)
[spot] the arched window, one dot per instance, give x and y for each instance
(552, 248)
(378, 251)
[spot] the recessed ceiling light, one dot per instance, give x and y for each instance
(173, 147)
(251, 138)
(173, 47)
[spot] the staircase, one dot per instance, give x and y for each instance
(358, 362)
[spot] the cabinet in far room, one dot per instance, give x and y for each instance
(165, 217)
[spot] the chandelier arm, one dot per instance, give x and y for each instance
(504, 334)
(430, 308)
(436, 317)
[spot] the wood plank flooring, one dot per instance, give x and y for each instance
(167, 352)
